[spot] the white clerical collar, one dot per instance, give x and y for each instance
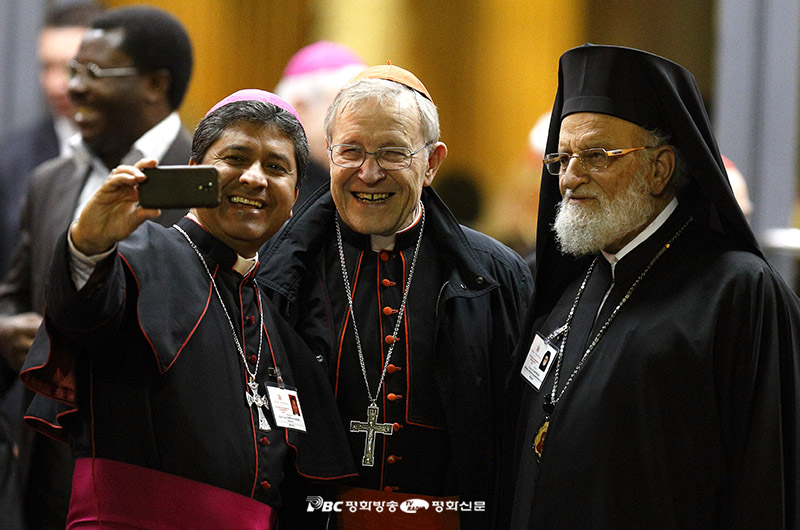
(378, 243)
(643, 235)
(243, 265)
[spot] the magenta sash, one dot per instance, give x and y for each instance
(112, 495)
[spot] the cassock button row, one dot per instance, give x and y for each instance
(387, 282)
(263, 441)
(384, 256)
(389, 489)
(389, 311)
(396, 427)
(389, 339)
(394, 397)
(265, 485)
(393, 459)
(392, 369)
(253, 359)
(251, 319)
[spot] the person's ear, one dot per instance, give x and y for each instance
(435, 159)
(157, 86)
(663, 168)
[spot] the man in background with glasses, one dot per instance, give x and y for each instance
(672, 393)
(413, 316)
(21, 151)
(128, 78)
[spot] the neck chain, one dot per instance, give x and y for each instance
(554, 397)
(254, 398)
(371, 427)
(400, 311)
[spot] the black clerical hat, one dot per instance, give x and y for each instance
(654, 93)
(613, 80)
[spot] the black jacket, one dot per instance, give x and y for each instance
(479, 311)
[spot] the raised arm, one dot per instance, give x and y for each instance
(113, 212)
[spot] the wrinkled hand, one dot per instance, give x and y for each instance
(113, 212)
(16, 336)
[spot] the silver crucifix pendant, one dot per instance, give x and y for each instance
(259, 401)
(371, 427)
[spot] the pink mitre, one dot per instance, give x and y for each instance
(255, 94)
(322, 55)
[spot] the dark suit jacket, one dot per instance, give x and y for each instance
(53, 195)
(20, 153)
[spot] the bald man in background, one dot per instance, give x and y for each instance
(310, 81)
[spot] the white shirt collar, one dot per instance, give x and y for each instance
(65, 129)
(155, 142)
(378, 243)
(643, 235)
(152, 144)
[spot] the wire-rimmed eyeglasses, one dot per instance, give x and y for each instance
(389, 158)
(91, 71)
(592, 159)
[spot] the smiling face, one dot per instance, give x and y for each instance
(109, 111)
(258, 173)
(372, 200)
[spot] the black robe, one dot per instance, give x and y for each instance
(680, 417)
(415, 458)
(144, 358)
(686, 413)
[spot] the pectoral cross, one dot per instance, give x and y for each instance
(259, 401)
(371, 427)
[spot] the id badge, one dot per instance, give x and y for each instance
(286, 408)
(541, 356)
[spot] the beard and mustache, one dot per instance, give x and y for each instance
(582, 229)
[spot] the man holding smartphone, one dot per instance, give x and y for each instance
(173, 370)
(126, 82)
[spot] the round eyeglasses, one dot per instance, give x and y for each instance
(389, 158)
(592, 159)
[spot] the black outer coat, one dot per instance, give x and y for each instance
(480, 307)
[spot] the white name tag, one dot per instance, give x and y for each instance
(286, 408)
(541, 357)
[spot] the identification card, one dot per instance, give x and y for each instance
(286, 408)
(541, 357)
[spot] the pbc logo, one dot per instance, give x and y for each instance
(317, 503)
(414, 505)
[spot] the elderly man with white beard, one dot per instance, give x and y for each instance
(670, 396)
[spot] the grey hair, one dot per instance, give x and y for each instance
(680, 175)
(385, 92)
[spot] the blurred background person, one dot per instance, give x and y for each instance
(739, 187)
(310, 81)
(127, 81)
(23, 150)
(460, 191)
(20, 152)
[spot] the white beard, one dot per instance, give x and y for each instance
(582, 230)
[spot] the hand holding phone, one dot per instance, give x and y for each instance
(180, 187)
